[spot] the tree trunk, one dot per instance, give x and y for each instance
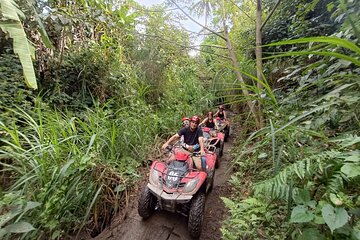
(239, 77)
(258, 53)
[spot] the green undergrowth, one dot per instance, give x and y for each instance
(299, 177)
(70, 153)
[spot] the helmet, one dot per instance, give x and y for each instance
(185, 121)
(195, 119)
(221, 106)
(206, 129)
(181, 156)
(218, 118)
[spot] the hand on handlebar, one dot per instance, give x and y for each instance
(164, 146)
(190, 149)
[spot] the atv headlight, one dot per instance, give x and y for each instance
(154, 177)
(191, 185)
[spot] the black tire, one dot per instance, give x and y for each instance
(227, 133)
(221, 149)
(212, 183)
(146, 203)
(217, 162)
(196, 215)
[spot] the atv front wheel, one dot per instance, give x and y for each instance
(146, 203)
(196, 215)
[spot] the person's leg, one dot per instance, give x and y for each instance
(197, 162)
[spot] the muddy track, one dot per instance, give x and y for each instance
(164, 225)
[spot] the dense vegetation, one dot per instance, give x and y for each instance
(71, 150)
(114, 78)
(302, 170)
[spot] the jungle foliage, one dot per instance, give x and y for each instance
(71, 151)
(301, 172)
(114, 78)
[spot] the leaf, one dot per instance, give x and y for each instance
(31, 205)
(4, 218)
(330, 40)
(12, 25)
(262, 155)
(334, 217)
(330, 54)
(301, 214)
(19, 227)
(351, 170)
(302, 196)
(55, 234)
(355, 234)
(44, 36)
(335, 200)
(311, 233)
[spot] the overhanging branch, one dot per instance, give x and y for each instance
(192, 19)
(184, 46)
(271, 13)
(148, 10)
(242, 10)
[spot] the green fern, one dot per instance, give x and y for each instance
(326, 164)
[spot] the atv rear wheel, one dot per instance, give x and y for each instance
(146, 203)
(227, 133)
(196, 215)
(221, 149)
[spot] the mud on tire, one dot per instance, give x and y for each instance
(146, 203)
(196, 215)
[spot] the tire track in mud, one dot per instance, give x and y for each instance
(164, 225)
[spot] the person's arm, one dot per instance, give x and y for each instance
(217, 112)
(203, 122)
(174, 137)
(225, 115)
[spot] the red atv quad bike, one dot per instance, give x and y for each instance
(214, 141)
(176, 186)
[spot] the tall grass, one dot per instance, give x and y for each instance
(74, 167)
(78, 167)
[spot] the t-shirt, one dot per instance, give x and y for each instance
(210, 123)
(221, 115)
(190, 138)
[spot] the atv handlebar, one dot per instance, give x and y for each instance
(210, 148)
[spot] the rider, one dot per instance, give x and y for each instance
(221, 113)
(185, 121)
(193, 136)
(211, 123)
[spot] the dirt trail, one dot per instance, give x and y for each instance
(170, 226)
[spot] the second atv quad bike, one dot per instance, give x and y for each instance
(223, 126)
(214, 140)
(176, 186)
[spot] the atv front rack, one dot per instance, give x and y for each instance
(179, 184)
